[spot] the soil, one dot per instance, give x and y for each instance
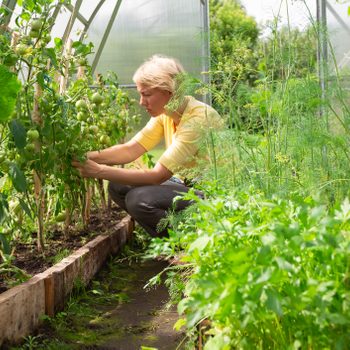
(146, 320)
(58, 244)
(117, 313)
(114, 311)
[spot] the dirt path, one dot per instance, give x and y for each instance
(116, 313)
(145, 320)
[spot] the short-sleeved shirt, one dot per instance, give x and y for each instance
(182, 142)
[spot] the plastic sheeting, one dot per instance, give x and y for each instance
(338, 23)
(145, 27)
(302, 14)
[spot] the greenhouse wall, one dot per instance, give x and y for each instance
(143, 28)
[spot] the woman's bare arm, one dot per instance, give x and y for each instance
(134, 177)
(118, 154)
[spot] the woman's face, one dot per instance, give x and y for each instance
(153, 99)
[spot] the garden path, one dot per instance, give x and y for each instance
(116, 313)
(145, 319)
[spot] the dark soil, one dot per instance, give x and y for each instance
(116, 313)
(145, 320)
(58, 244)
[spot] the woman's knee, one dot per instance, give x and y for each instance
(118, 192)
(138, 200)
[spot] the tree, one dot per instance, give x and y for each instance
(233, 38)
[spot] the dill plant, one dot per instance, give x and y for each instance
(266, 251)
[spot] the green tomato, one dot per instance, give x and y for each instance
(82, 116)
(102, 124)
(34, 33)
(6, 165)
(93, 129)
(33, 134)
(81, 104)
(46, 38)
(95, 107)
(97, 98)
(82, 62)
(21, 49)
(30, 147)
(105, 140)
(36, 25)
(10, 60)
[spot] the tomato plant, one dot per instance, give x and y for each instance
(50, 124)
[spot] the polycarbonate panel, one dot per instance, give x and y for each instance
(297, 14)
(302, 13)
(86, 9)
(61, 24)
(146, 27)
(339, 31)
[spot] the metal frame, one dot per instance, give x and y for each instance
(75, 14)
(206, 47)
(71, 21)
(93, 15)
(322, 51)
(105, 36)
(10, 6)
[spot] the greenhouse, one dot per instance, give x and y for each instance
(174, 174)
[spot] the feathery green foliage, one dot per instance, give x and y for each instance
(9, 87)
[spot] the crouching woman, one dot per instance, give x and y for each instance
(181, 121)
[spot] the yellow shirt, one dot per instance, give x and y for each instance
(182, 142)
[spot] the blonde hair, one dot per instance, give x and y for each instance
(159, 72)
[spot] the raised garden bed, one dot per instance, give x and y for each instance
(22, 306)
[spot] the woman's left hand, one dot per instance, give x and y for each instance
(88, 169)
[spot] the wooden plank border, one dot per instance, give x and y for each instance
(21, 307)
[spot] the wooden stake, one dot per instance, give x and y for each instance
(38, 177)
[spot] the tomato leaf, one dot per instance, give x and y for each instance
(218, 342)
(25, 207)
(9, 87)
(19, 133)
(179, 324)
(5, 244)
(3, 207)
(50, 53)
(273, 302)
(18, 179)
(200, 243)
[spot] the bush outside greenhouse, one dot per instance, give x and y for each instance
(260, 259)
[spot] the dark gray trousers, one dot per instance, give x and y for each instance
(149, 204)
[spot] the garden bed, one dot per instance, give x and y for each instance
(59, 244)
(22, 306)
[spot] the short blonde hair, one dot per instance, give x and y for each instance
(159, 72)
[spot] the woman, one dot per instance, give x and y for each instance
(182, 121)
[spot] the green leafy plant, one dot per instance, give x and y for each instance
(259, 270)
(59, 115)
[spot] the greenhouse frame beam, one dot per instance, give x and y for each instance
(10, 6)
(322, 56)
(93, 15)
(337, 17)
(56, 11)
(206, 48)
(72, 20)
(322, 52)
(105, 36)
(80, 17)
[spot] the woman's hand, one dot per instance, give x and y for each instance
(89, 168)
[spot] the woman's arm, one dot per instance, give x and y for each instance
(134, 177)
(118, 154)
